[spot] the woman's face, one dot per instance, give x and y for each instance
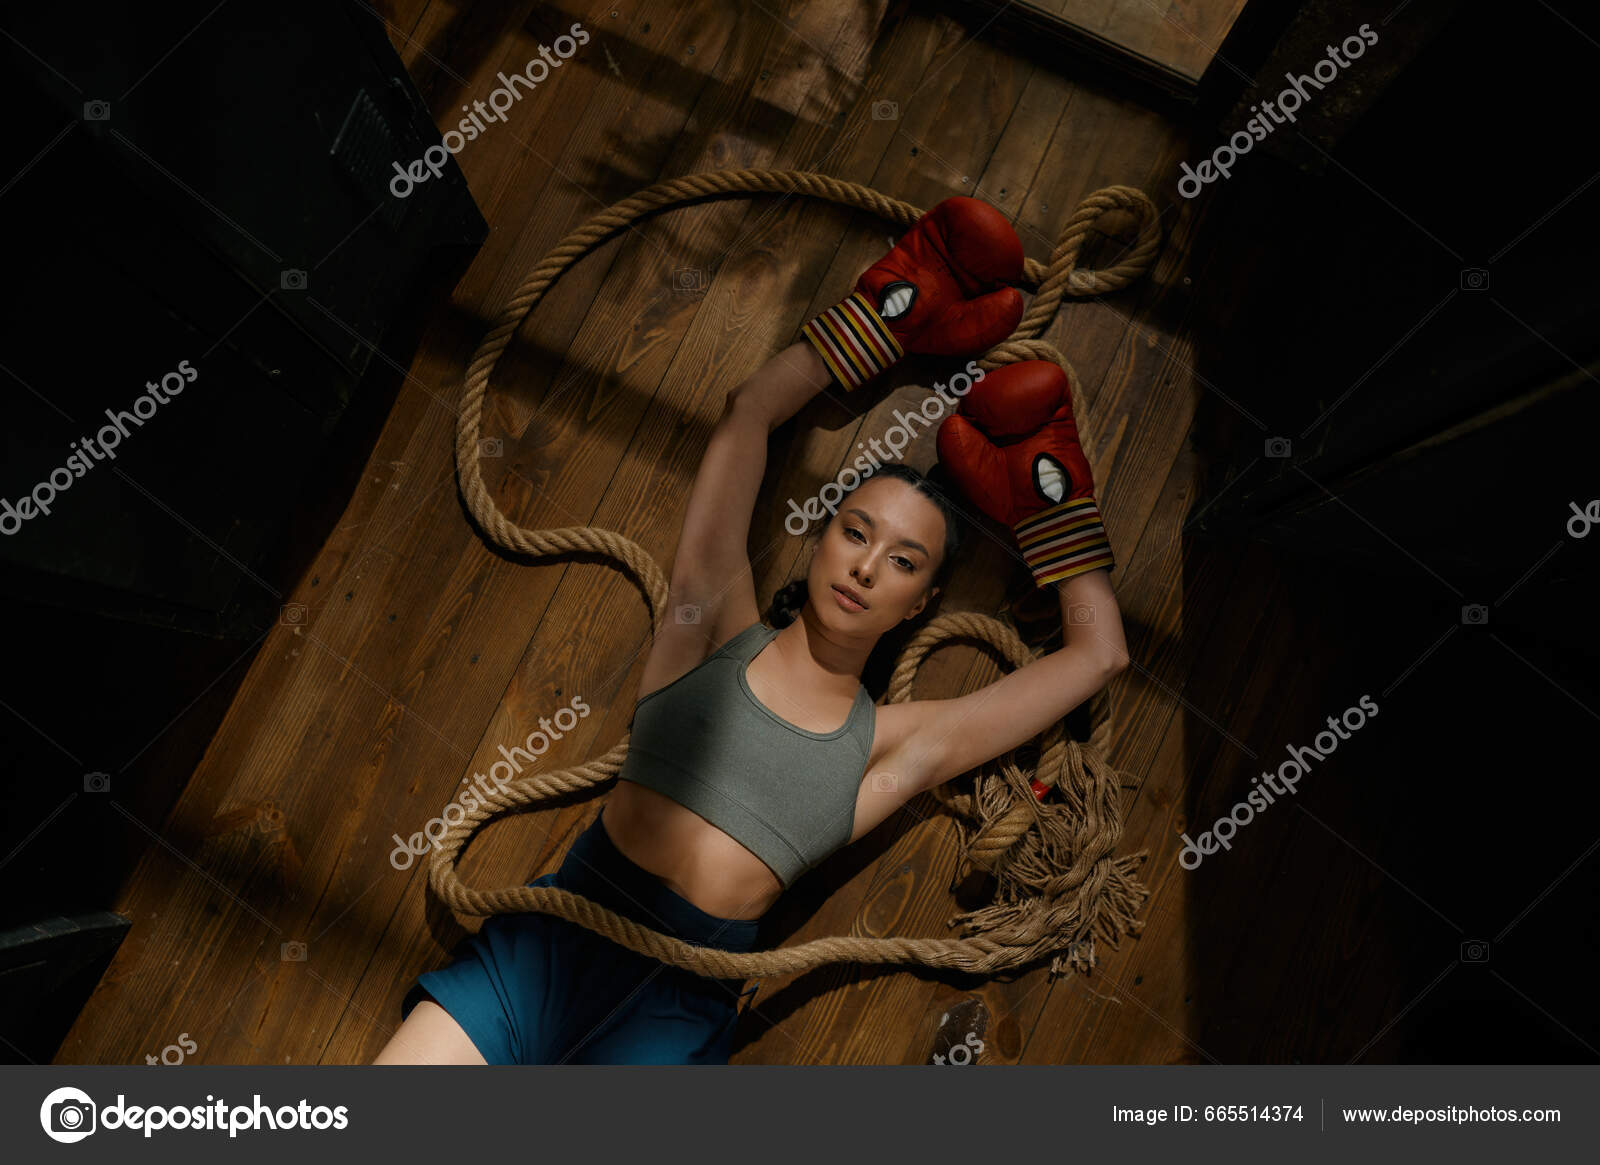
(872, 564)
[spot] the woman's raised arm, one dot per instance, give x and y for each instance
(711, 594)
(1014, 448)
(938, 740)
(941, 290)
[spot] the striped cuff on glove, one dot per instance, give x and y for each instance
(1065, 540)
(853, 341)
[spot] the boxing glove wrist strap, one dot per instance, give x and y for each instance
(853, 341)
(1064, 540)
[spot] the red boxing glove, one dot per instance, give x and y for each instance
(938, 292)
(1013, 448)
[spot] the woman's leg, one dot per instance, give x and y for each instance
(496, 1002)
(674, 1017)
(429, 1036)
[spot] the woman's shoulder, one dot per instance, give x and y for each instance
(755, 633)
(679, 652)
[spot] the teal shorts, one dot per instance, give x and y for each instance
(532, 988)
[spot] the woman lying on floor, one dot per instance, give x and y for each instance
(755, 750)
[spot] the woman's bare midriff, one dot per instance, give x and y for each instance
(694, 858)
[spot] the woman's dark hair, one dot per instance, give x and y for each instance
(937, 488)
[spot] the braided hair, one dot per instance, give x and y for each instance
(936, 486)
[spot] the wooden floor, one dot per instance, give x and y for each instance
(1181, 34)
(425, 649)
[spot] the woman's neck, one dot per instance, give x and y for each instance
(818, 660)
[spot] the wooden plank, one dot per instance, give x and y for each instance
(400, 19)
(1184, 34)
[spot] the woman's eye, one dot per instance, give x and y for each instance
(906, 563)
(852, 530)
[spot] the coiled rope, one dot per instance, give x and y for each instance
(1058, 887)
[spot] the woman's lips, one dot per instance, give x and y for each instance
(847, 602)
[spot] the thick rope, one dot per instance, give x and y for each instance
(1058, 887)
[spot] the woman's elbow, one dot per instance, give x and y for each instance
(1114, 650)
(744, 407)
(1105, 644)
(1117, 661)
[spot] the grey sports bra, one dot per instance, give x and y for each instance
(786, 794)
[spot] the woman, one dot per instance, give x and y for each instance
(755, 751)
